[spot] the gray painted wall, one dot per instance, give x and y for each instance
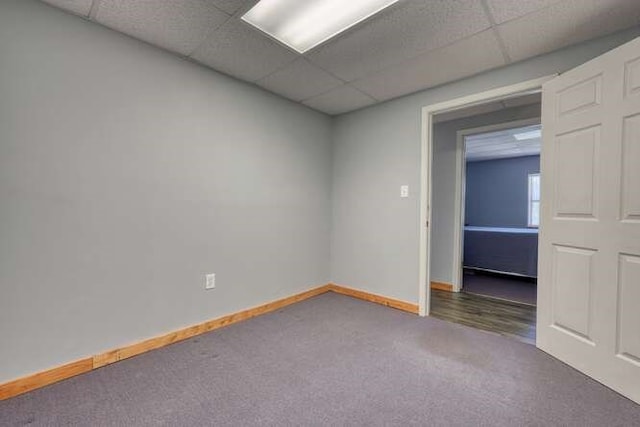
(375, 232)
(497, 191)
(445, 138)
(126, 174)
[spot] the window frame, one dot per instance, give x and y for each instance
(530, 200)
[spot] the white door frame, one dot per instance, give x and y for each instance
(424, 276)
(459, 210)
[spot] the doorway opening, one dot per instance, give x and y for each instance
(497, 210)
(482, 223)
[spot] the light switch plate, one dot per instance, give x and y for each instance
(404, 191)
(210, 282)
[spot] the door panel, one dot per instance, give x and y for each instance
(630, 170)
(629, 294)
(632, 77)
(580, 96)
(572, 283)
(575, 170)
(589, 268)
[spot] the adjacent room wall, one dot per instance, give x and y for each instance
(377, 149)
(497, 191)
(126, 174)
(445, 138)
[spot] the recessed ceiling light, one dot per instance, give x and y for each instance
(532, 134)
(304, 24)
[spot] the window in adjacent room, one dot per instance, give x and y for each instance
(534, 200)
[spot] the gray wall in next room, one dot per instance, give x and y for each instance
(497, 191)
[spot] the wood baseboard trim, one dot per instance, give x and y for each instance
(50, 376)
(41, 379)
(442, 286)
(192, 331)
(378, 299)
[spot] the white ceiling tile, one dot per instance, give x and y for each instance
(410, 46)
(566, 23)
(501, 144)
(242, 51)
(506, 10)
(179, 26)
(299, 80)
(340, 100)
(233, 6)
(464, 58)
(403, 30)
(79, 7)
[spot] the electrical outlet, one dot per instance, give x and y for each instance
(210, 282)
(404, 191)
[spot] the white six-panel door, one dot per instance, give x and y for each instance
(589, 272)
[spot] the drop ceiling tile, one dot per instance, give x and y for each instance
(464, 58)
(179, 26)
(506, 10)
(404, 30)
(79, 7)
(299, 80)
(340, 100)
(233, 6)
(566, 23)
(243, 52)
(501, 144)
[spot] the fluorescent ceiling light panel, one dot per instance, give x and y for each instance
(304, 24)
(532, 134)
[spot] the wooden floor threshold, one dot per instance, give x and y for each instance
(507, 318)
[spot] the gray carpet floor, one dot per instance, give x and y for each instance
(331, 360)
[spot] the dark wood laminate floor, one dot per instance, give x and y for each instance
(500, 286)
(506, 318)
